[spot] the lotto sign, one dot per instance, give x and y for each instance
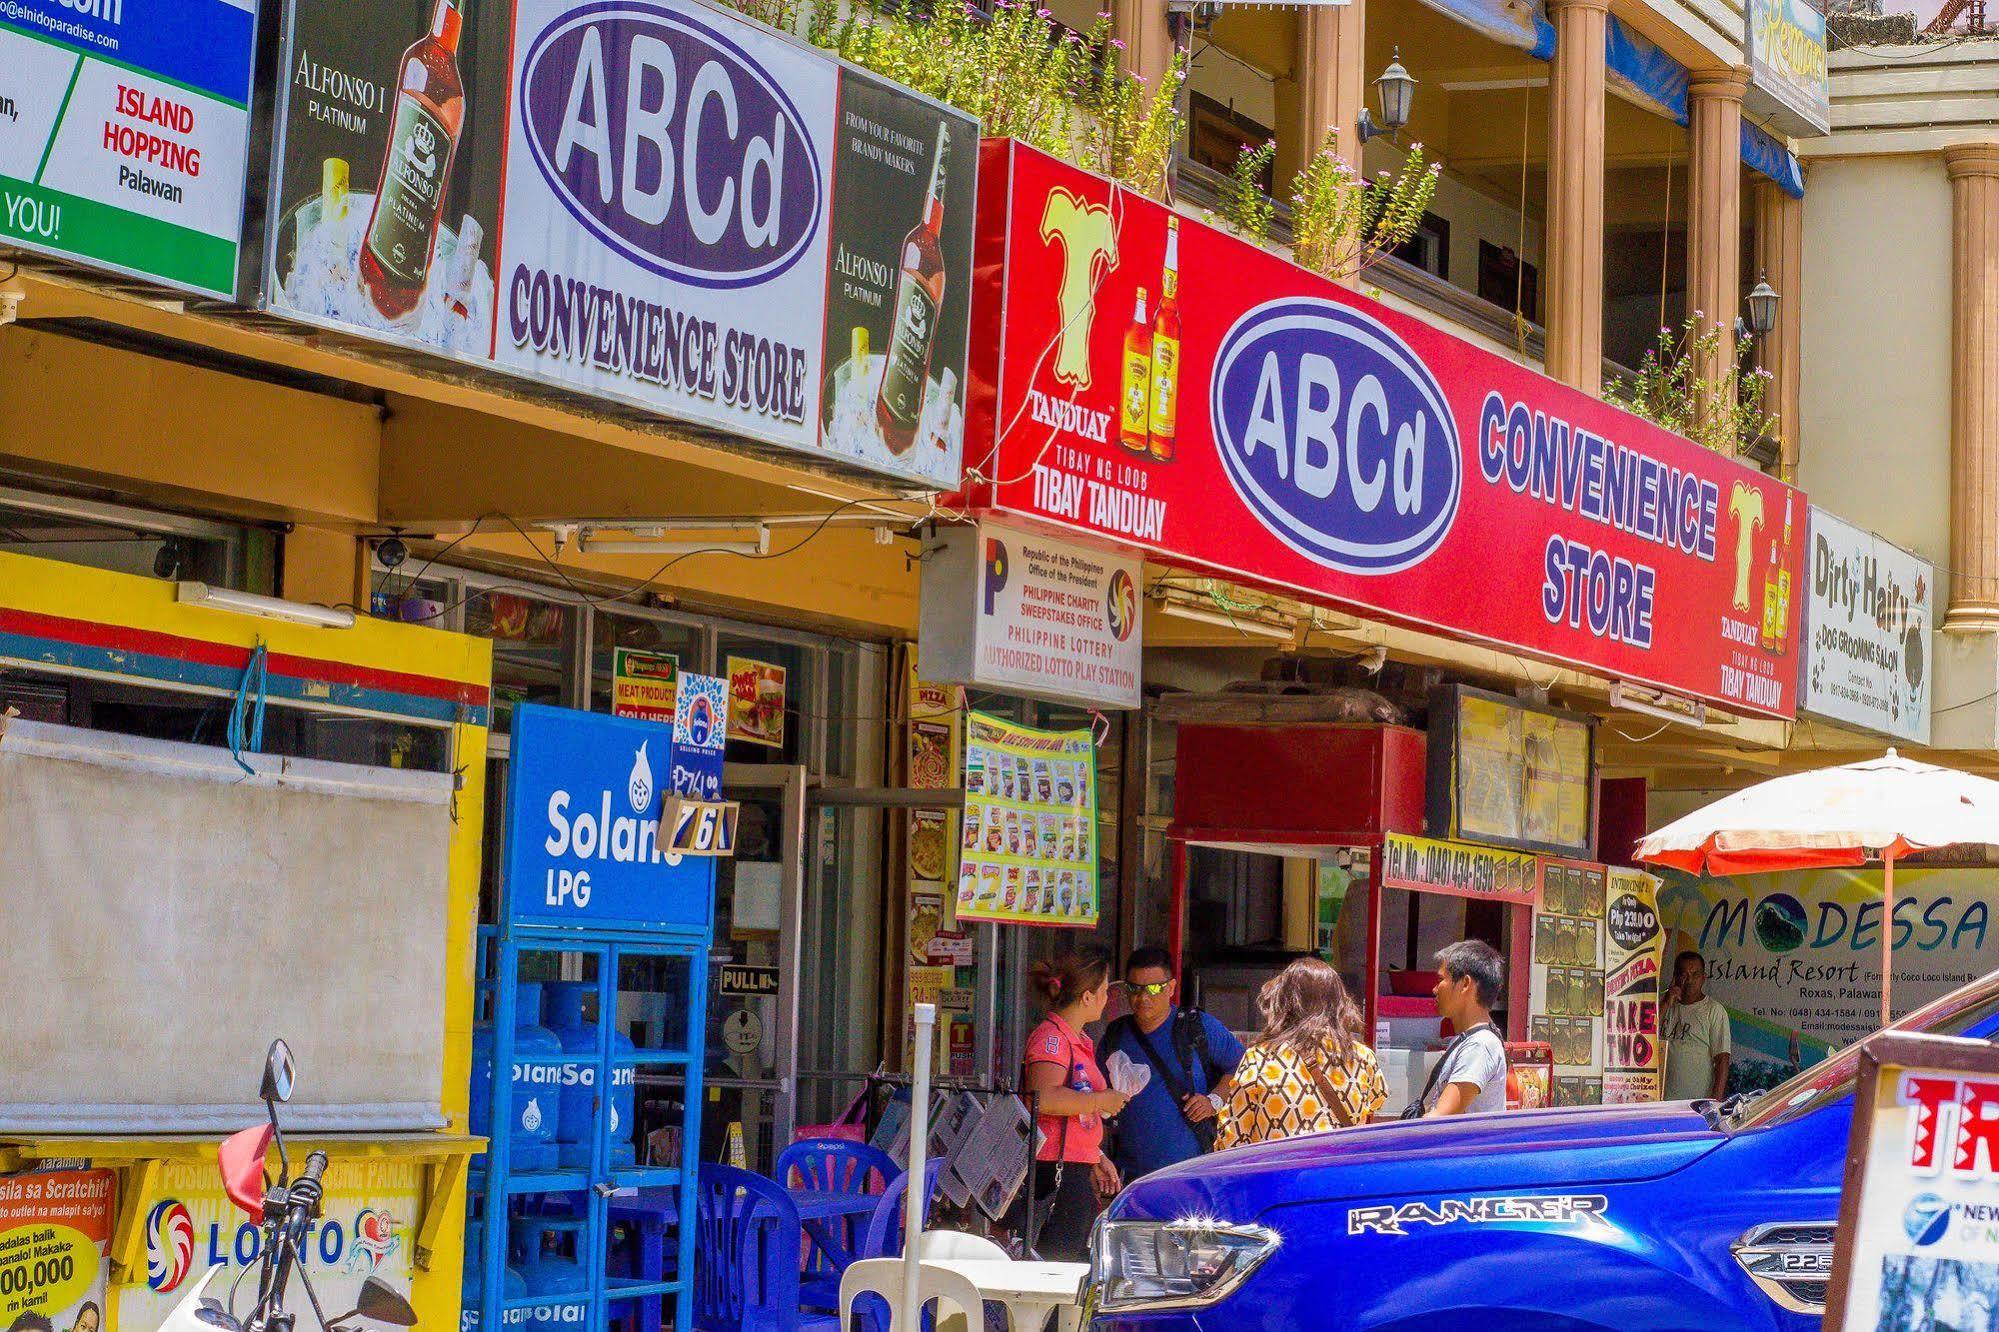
(367, 1228)
(1918, 1239)
(55, 1231)
(123, 129)
(1261, 423)
(585, 843)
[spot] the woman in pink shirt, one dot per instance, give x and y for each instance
(1072, 1099)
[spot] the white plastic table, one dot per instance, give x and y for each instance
(1030, 1291)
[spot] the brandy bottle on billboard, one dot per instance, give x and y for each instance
(1166, 351)
(1135, 411)
(1777, 588)
(919, 295)
(401, 239)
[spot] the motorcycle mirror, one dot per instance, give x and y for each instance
(278, 1073)
(380, 1302)
(214, 1315)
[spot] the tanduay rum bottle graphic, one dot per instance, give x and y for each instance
(1135, 392)
(1166, 351)
(423, 138)
(1777, 588)
(919, 296)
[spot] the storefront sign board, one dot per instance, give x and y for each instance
(1300, 436)
(1015, 610)
(1634, 977)
(1868, 616)
(1459, 869)
(1916, 1245)
(756, 702)
(652, 202)
(642, 684)
(1029, 848)
(1787, 66)
(124, 134)
(55, 1239)
(1796, 957)
(583, 826)
(367, 1228)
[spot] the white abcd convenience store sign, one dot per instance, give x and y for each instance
(123, 126)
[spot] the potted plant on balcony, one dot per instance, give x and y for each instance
(1687, 385)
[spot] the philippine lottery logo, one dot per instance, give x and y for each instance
(1926, 1218)
(1121, 605)
(169, 1245)
(700, 720)
(1336, 436)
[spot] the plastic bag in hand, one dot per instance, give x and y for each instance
(1127, 1077)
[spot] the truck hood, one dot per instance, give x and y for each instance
(1574, 1150)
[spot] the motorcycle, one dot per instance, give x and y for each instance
(286, 1209)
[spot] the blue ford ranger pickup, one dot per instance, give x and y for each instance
(1686, 1215)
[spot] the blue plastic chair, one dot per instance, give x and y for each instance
(833, 1165)
(880, 1238)
(746, 1250)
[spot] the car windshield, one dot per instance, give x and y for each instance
(1833, 1078)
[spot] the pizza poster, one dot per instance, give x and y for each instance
(1028, 851)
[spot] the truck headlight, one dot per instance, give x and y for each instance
(1172, 1264)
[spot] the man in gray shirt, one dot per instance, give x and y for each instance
(1472, 1077)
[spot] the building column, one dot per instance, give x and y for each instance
(1780, 253)
(1714, 206)
(1574, 306)
(1148, 39)
(1974, 386)
(1332, 82)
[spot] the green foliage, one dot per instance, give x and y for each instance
(1684, 386)
(1341, 222)
(1244, 204)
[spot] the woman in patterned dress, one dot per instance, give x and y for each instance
(1308, 1071)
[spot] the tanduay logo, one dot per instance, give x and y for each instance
(1336, 436)
(596, 833)
(672, 145)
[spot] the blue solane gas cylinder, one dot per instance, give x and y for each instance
(563, 1011)
(537, 1088)
(511, 1285)
(556, 1282)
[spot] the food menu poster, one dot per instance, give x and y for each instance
(1568, 978)
(1634, 977)
(1028, 853)
(1504, 772)
(756, 702)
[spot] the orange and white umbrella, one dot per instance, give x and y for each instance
(1877, 809)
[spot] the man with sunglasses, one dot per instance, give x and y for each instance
(1192, 1056)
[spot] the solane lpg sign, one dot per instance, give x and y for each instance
(583, 806)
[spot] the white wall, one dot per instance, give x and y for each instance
(1876, 363)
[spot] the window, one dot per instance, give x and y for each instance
(1503, 278)
(1430, 248)
(136, 541)
(1216, 135)
(613, 630)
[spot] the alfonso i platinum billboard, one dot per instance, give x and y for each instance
(658, 203)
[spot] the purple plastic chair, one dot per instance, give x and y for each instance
(746, 1256)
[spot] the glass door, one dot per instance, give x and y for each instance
(752, 1057)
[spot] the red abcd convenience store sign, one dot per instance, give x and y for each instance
(1271, 426)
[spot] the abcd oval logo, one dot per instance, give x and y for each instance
(1336, 436)
(169, 1245)
(671, 144)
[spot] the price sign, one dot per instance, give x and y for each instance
(698, 827)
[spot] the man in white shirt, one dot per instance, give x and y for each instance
(1472, 1077)
(1696, 1031)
